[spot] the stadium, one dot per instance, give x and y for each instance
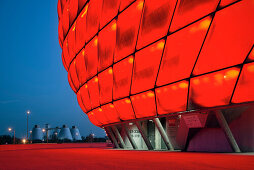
(163, 74)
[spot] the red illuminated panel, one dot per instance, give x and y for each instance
(106, 85)
(244, 91)
(71, 83)
(105, 47)
(155, 20)
(124, 109)
(64, 63)
(59, 10)
(213, 89)
(71, 42)
(81, 4)
(85, 97)
(93, 119)
(144, 104)
(63, 2)
(111, 113)
(251, 55)
(91, 57)
(229, 40)
(181, 51)
(127, 30)
(146, 66)
(81, 67)
(226, 2)
(125, 3)
(81, 29)
(80, 102)
(101, 116)
(109, 11)
(172, 98)
(122, 77)
(65, 19)
(60, 34)
(188, 11)
(73, 10)
(116, 57)
(93, 17)
(66, 56)
(93, 89)
(73, 74)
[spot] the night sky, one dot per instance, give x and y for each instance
(32, 76)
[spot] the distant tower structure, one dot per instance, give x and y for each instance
(37, 134)
(65, 133)
(75, 133)
(55, 133)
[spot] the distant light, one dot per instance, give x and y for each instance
(9, 129)
(55, 133)
(130, 123)
(77, 134)
(43, 130)
(28, 112)
(93, 134)
(24, 141)
(30, 131)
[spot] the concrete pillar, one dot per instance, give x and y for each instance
(157, 139)
(119, 136)
(111, 136)
(163, 134)
(126, 130)
(144, 136)
(224, 125)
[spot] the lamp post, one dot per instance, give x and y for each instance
(27, 113)
(10, 129)
(31, 136)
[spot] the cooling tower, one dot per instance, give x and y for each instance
(65, 133)
(75, 133)
(37, 134)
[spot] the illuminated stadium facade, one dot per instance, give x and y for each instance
(163, 74)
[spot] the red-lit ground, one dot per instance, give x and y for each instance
(99, 156)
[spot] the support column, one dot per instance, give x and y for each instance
(164, 135)
(119, 136)
(112, 137)
(224, 125)
(126, 130)
(144, 136)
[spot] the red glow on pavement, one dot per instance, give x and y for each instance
(99, 156)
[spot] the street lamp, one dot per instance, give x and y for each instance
(27, 113)
(10, 129)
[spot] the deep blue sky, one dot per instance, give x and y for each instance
(31, 72)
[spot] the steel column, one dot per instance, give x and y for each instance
(164, 135)
(224, 125)
(118, 136)
(148, 143)
(126, 130)
(112, 137)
